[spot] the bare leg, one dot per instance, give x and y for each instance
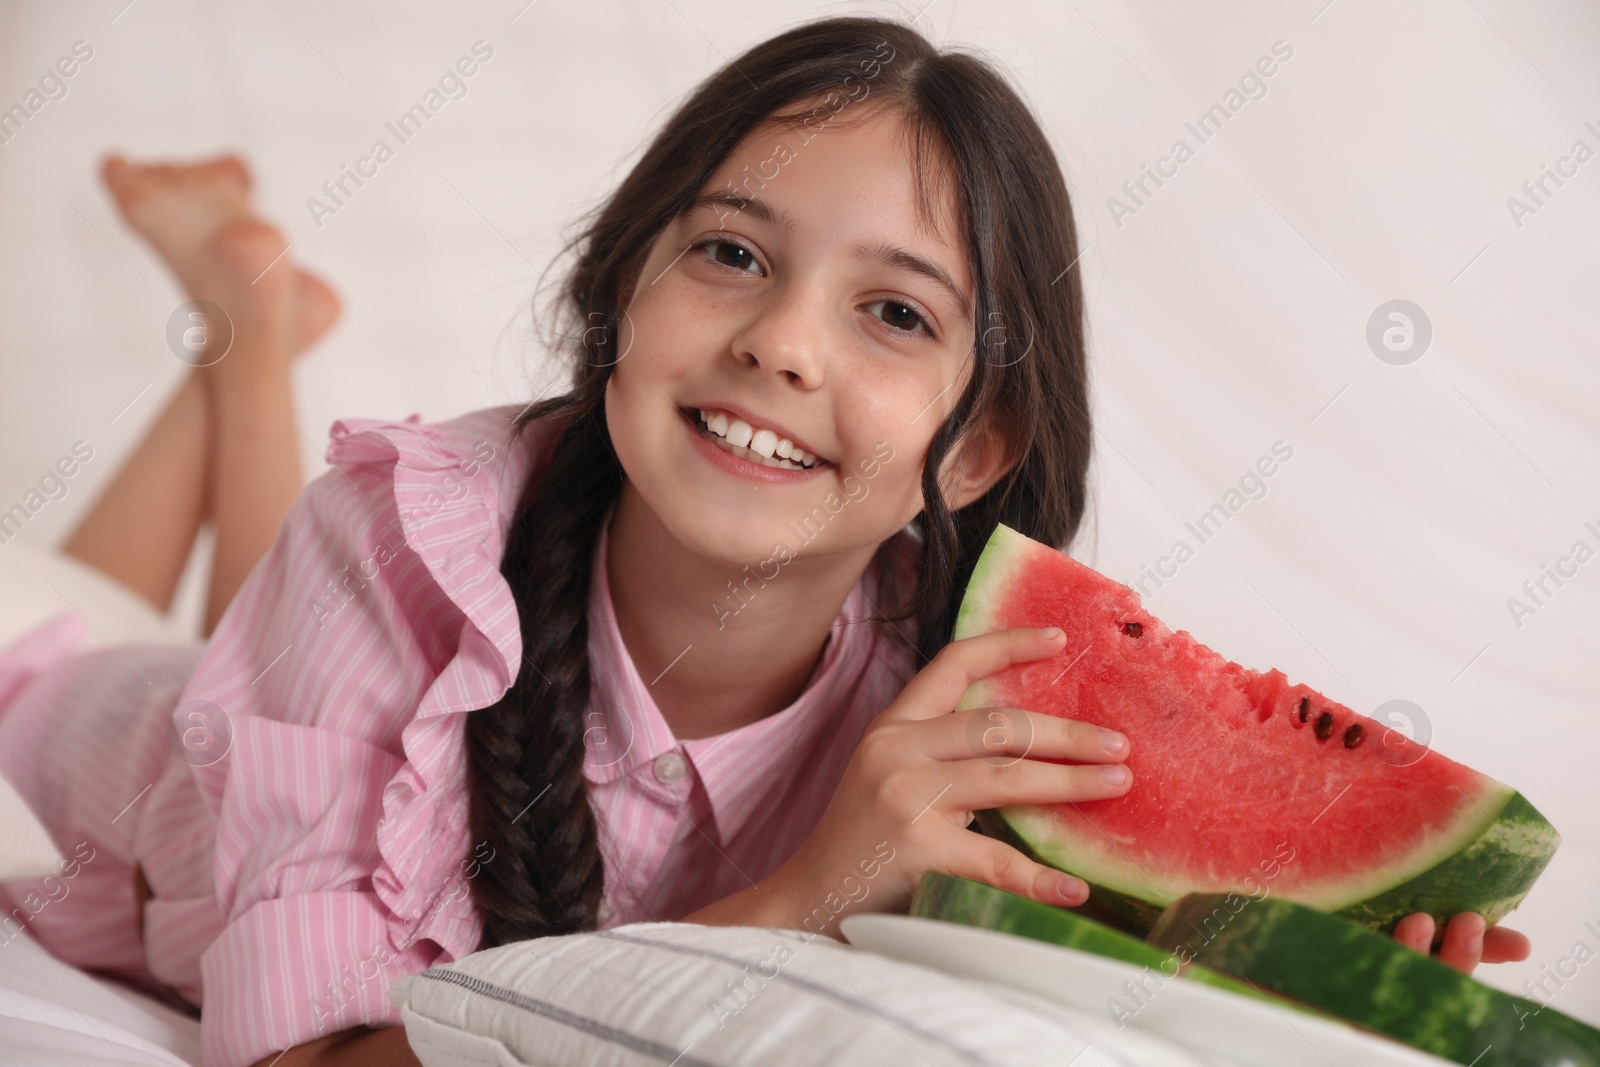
(225, 448)
(255, 473)
(141, 528)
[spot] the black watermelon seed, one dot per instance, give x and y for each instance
(1352, 736)
(1305, 708)
(1324, 726)
(1133, 629)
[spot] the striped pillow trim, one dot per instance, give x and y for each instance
(592, 1027)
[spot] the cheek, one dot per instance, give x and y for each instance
(899, 424)
(632, 424)
(639, 382)
(662, 337)
(884, 474)
(902, 483)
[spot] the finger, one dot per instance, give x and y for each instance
(938, 687)
(983, 859)
(1462, 947)
(1415, 932)
(977, 783)
(1505, 946)
(1014, 732)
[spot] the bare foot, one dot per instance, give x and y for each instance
(199, 219)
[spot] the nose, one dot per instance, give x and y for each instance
(786, 336)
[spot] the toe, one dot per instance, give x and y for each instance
(319, 307)
(235, 168)
(125, 180)
(114, 169)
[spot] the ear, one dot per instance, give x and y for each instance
(974, 465)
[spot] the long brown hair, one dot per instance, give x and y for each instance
(1028, 379)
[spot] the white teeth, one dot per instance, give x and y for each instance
(759, 446)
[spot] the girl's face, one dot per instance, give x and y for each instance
(821, 311)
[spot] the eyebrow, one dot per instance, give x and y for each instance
(887, 255)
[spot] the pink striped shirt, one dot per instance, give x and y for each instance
(310, 843)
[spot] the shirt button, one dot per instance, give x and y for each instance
(670, 766)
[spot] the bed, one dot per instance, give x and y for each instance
(1385, 159)
(52, 1013)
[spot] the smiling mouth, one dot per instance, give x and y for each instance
(763, 446)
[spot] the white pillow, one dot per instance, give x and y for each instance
(693, 996)
(34, 587)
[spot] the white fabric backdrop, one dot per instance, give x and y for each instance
(1228, 311)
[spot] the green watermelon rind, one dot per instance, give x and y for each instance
(971, 903)
(1491, 875)
(989, 577)
(1347, 970)
(1485, 863)
(963, 901)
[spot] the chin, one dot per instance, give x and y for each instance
(727, 536)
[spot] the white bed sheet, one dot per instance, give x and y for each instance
(54, 1015)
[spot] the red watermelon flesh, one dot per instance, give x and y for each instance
(1242, 781)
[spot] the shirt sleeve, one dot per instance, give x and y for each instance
(342, 845)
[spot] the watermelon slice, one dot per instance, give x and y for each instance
(953, 899)
(1243, 782)
(1349, 971)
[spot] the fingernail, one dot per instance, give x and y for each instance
(1070, 889)
(1112, 740)
(1050, 633)
(1114, 775)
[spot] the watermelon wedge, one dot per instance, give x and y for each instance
(965, 902)
(953, 899)
(1350, 972)
(1243, 782)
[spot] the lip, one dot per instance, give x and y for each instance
(749, 470)
(744, 413)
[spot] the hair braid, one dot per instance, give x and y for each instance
(548, 876)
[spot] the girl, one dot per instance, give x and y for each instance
(670, 645)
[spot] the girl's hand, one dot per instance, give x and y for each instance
(911, 787)
(1466, 942)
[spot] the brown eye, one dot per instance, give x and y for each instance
(727, 253)
(736, 256)
(901, 317)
